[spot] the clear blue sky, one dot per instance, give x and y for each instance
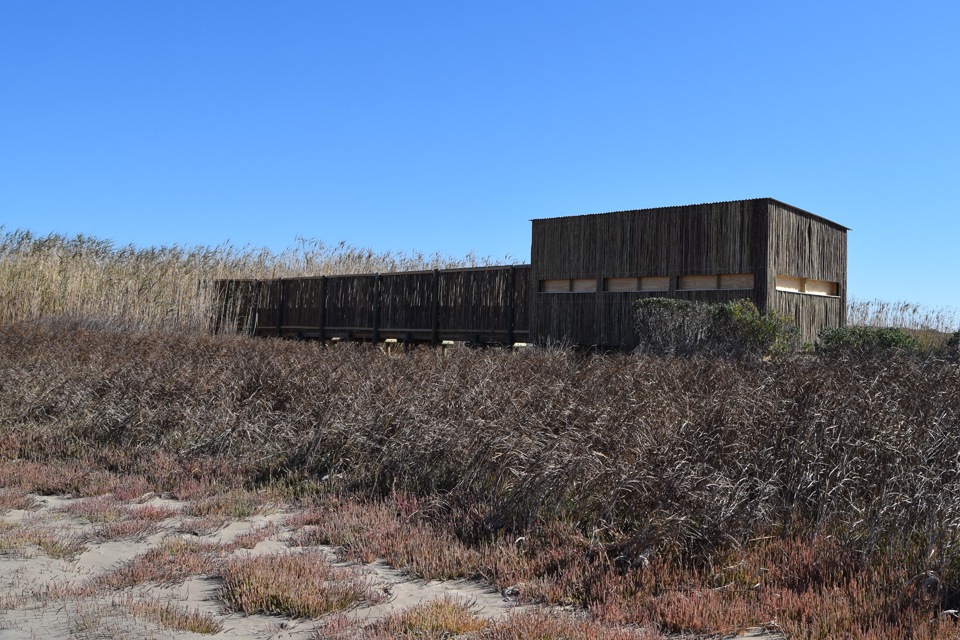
(446, 126)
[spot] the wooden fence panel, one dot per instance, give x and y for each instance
(487, 304)
(301, 303)
(350, 302)
(406, 301)
(473, 301)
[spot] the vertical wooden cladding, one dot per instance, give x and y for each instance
(811, 313)
(804, 246)
(807, 246)
(349, 303)
(712, 240)
(564, 248)
(406, 301)
(475, 301)
(489, 304)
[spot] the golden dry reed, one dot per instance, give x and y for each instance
(902, 314)
(97, 283)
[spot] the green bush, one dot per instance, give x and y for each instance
(681, 327)
(743, 326)
(868, 341)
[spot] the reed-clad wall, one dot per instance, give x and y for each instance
(484, 304)
(683, 245)
(807, 246)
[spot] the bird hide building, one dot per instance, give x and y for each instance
(584, 276)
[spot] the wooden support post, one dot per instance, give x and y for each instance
(375, 336)
(600, 311)
(322, 329)
(435, 310)
(280, 304)
(511, 296)
(254, 318)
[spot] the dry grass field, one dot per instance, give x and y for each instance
(615, 496)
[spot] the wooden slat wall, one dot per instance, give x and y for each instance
(806, 246)
(301, 303)
(486, 304)
(406, 301)
(722, 238)
(474, 301)
(350, 302)
(811, 313)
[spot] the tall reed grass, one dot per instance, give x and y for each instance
(903, 315)
(95, 282)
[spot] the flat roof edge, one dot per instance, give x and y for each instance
(774, 201)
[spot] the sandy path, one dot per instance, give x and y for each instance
(34, 586)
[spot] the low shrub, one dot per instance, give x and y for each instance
(866, 341)
(680, 327)
(744, 328)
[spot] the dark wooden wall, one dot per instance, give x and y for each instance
(727, 237)
(807, 246)
(487, 305)
(811, 313)
(710, 239)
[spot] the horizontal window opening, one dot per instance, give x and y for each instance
(698, 283)
(736, 281)
(554, 286)
(723, 281)
(569, 285)
(648, 283)
(793, 284)
(583, 285)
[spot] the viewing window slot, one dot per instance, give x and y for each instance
(723, 281)
(647, 283)
(809, 286)
(554, 286)
(569, 285)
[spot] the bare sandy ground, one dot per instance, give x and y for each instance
(40, 581)
(35, 602)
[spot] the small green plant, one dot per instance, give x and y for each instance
(866, 341)
(743, 328)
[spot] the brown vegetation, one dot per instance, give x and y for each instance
(694, 494)
(301, 585)
(686, 493)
